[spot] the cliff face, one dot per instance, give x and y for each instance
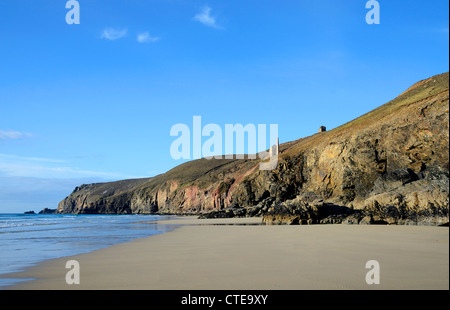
(390, 165)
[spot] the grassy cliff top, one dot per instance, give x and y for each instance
(416, 93)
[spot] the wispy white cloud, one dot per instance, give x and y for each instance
(20, 166)
(114, 34)
(31, 159)
(145, 37)
(205, 18)
(436, 30)
(13, 135)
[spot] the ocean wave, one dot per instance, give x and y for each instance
(28, 239)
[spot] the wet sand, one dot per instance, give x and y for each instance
(225, 254)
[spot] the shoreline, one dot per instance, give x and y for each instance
(29, 239)
(240, 254)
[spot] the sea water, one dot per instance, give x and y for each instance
(27, 239)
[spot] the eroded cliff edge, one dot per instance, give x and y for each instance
(388, 166)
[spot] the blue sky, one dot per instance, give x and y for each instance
(96, 101)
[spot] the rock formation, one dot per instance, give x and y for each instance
(389, 166)
(48, 211)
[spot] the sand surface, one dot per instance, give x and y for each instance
(213, 254)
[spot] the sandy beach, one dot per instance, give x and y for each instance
(214, 254)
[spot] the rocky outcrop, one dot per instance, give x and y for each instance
(389, 166)
(48, 211)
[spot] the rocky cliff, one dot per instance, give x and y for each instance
(388, 166)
